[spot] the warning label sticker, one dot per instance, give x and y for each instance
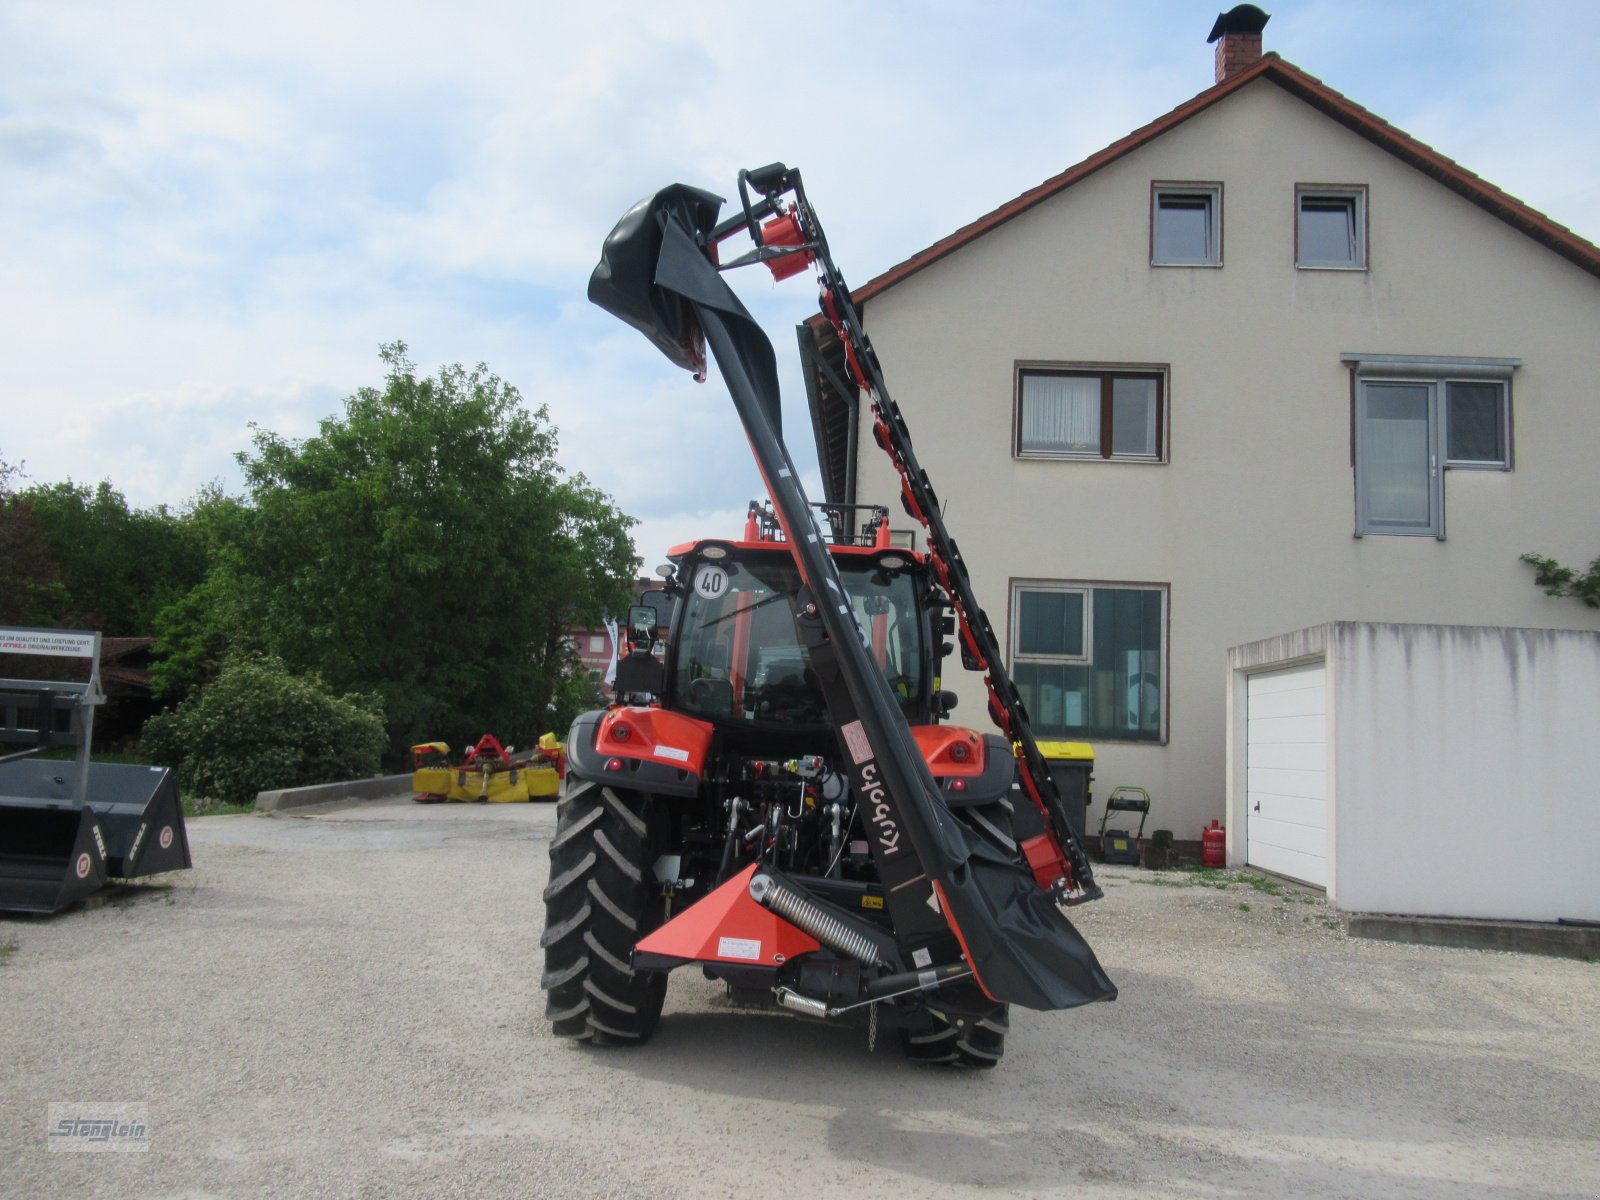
(748, 949)
(855, 738)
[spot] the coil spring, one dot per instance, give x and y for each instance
(805, 914)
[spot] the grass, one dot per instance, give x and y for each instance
(1222, 881)
(7, 949)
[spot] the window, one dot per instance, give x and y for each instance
(1052, 624)
(597, 643)
(1477, 424)
(1186, 224)
(1089, 413)
(1330, 230)
(1089, 659)
(1415, 417)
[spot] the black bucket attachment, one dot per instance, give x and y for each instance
(53, 852)
(49, 856)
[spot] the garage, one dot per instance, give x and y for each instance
(1286, 772)
(1420, 770)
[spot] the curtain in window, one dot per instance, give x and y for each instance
(1061, 413)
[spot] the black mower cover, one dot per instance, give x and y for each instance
(656, 274)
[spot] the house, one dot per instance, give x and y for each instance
(1264, 364)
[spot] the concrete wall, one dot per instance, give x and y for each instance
(1251, 521)
(1468, 771)
(1465, 767)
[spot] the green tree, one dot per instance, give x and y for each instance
(426, 546)
(31, 591)
(196, 631)
(119, 565)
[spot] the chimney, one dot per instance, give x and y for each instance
(1237, 34)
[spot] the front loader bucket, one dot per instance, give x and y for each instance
(142, 818)
(50, 855)
(133, 817)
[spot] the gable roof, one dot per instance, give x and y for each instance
(1321, 97)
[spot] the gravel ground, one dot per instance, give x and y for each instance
(344, 1002)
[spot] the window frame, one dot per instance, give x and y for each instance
(1503, 463)
(1437, 374)
(1086, 634)
(1356, 193)
(1106, 373)
(1015, 587)
(1435, 526)
(1212, 191)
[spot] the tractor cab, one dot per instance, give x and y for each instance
(732, 654)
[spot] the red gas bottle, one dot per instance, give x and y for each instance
(1213, 846)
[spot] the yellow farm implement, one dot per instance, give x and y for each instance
(490, 773)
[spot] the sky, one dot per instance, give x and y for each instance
(214, 214)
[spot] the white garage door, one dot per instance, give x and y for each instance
(1286, 773)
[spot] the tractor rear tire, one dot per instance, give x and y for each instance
(602, 898)
(978, 1044)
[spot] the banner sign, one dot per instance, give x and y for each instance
(56, 643)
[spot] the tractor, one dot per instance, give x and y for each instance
(776, 796)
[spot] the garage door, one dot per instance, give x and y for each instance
(1286, 773)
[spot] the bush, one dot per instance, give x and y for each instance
(257, 726)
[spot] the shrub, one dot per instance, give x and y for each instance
(257, 726)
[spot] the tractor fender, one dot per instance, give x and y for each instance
(970, 769)
(647, 757)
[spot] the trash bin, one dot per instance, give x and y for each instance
(1072, 768)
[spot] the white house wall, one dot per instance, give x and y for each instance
(1468, 771)
(1251, 520)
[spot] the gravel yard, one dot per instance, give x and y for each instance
(345, 1002)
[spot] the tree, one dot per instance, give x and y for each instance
(425, 546)
(1557, 580)
(195, 633)
(120, 566)
(31, 591)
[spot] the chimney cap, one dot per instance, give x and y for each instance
(1241, 18)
